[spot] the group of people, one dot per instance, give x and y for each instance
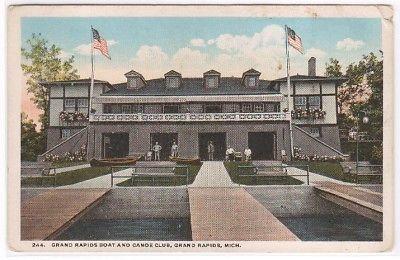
(229, 154)
(156, 151)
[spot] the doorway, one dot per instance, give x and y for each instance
(165, 140)
(115, 145)
(262, 145)
(219, 141)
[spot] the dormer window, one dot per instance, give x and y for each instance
(250, 78)
(172, 82)
(252, 81)
(132, 83)
(134, 80)
(172, 79)
(212, 82)
(211, 79)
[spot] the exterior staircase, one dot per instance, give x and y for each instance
(71, 144)
(310, 145)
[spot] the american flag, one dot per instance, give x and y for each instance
(100, 44)
(294, 40)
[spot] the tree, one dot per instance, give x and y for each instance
(42, 62)
(333, 68)
(362, 93)
(31, 140)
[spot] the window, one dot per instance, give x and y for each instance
(172, 82)
(125, 109)
(69, 104)
(212, 109)
(132, 82)
(252, 82)
(212, 82)
(171, 109)
(314, 102)
(137, 108)
(114, 109)
(311, 102)
(65, 133)
(258, 107)
(246, 108)
(83, 105)
(277, 107)
(300, 102)
(106, 108)
(315, 132)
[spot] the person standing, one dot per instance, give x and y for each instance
(230, 154)
(210, 150)
(157, 150)
(174, 150)
(247, 154)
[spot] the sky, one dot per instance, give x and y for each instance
(191, 46)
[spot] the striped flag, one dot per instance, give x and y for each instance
(294, 40)
(100, 43)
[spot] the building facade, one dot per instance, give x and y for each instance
(247, 111)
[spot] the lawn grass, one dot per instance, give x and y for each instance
(333, 170)
(65, 178)
(232, 168)
(178, 179)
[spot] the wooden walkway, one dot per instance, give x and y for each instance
(43, 215)
(233, 214)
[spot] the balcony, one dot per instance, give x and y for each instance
(190, 117)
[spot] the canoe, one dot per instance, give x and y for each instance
(126, 161)
(182, 160)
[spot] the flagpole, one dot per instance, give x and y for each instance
(92, 76)
(289, 100)
(91, 90)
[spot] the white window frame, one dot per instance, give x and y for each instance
(172, 82)
(126, 109)
(137, 108)
(69, 102)
(315, 106)
(252, 81)
(65, 133)
(300, 102)
(315, 131)
(259, 108)
(85, 105)
(246, 108)
(132, 83)
(212, 82)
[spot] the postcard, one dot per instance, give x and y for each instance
(200, 128)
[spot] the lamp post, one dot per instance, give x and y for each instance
(365, 120)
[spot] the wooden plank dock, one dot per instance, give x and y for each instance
(233, 214)
(45, 214)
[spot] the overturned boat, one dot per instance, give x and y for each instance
(182, 160)
(125, 161)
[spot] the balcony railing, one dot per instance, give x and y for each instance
(189, 117)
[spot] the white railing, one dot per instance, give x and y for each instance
(189, 117)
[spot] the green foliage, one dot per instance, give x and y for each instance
(42, 62)
(178, 179)
(328, 169)
(234, 172)
(333, 68)
(66, 178)
(363, 92)
(32, 142)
